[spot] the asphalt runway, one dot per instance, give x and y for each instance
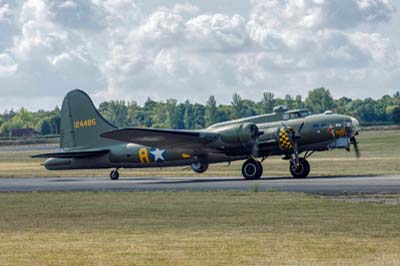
(324, 185)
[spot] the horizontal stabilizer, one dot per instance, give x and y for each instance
(74, 154)
(183, 140)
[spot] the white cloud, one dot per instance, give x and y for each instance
(124, 49)
(68, 4)
(217, 32)
(5, 13)
(7, 65)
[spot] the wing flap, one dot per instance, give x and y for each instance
(74, 154)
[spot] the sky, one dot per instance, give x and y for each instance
(134, 49)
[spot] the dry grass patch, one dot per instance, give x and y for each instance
(197, 228)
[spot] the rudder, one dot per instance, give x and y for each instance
(81, 123)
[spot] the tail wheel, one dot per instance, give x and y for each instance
(114, 175)
(300, 171)
(200, 167)
(252, 169)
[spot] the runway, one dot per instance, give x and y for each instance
(324, 185)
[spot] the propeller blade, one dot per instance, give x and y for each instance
(356, 150)
(300, 128)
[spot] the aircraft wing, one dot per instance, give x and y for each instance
(73, 154)
(183, 140)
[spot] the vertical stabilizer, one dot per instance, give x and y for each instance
(81, 123)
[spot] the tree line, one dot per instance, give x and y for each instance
(187, 115)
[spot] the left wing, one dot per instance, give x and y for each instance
(182, 140)
(72, 154)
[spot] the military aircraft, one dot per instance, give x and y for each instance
(88, 141)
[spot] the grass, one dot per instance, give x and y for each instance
(7, 141)
(380, 155)
(197, 228)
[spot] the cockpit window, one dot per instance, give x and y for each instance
(285, 116)
(305, 113)
(294, 115)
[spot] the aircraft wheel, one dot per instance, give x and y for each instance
(199, 167)
(302, 170)
(252, 169)
(114, 175)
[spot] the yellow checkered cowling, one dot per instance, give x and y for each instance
(284, 140)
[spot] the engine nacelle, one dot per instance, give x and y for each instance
(239, 134)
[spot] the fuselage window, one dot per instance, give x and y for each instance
(316, 126)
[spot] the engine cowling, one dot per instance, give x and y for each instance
(238, 135)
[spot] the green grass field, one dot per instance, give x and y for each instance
(380, 155)
(206, 228)
(197, 228)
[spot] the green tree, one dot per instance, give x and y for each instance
(116, 112)
(25, 117)
(189, 118)
(298, 102)
(211, 111)
(172, 115)
(237, 106)
(8, 126)
(248, 108)
(289, 102)
(267, 102)
(396, 115)
(224, 113)
(320, 100)
(55, 124)
(199, 113)
(44, 127)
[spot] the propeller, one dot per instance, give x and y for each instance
(294, 136)
(299, 130)
(256, 133)
(355, 145)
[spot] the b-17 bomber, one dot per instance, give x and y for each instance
(88, 141)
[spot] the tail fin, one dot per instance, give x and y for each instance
(81, 123)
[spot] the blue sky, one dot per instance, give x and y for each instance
(131, 50)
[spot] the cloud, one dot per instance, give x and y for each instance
(68, 5)
(133, 50)
(5, 13)
(7, 65)
(217, 32)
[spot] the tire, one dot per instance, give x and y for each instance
(302, 170)
(252, 169)
(114, 175)
(199, 167)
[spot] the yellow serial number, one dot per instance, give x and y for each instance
(85, 123)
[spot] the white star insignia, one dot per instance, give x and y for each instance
(158, 155)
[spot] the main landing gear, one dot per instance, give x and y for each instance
(114, 175)
(199, 167)
(299, 166)
(300, 170)
(252, 169)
